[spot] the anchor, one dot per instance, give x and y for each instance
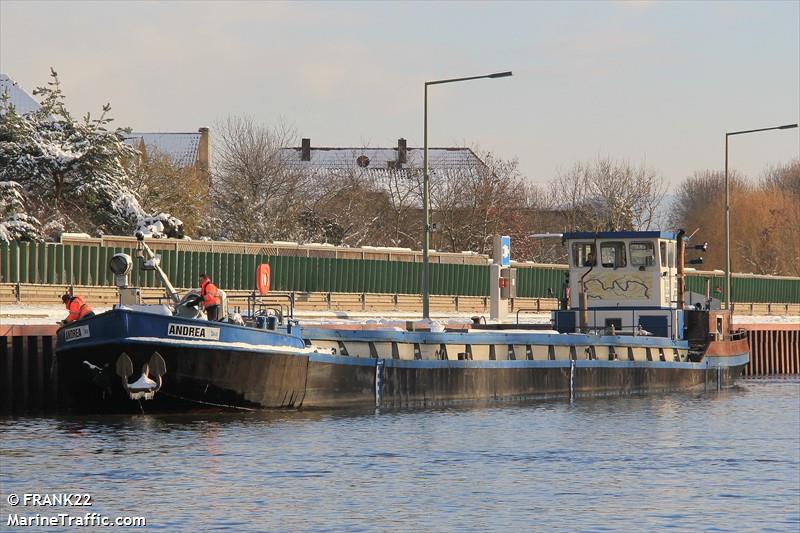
(145, 387)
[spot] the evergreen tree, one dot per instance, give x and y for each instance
(15, 223)
(73, 171)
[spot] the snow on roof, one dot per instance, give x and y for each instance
(180, 147)
(382, 159)
(21, 100)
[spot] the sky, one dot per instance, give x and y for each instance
(654, 83)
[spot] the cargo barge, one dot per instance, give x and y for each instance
(623, 328)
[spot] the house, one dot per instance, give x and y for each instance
(17, 96)
(382, 161)
(185, 150)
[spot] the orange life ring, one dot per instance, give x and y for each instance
(262, 278)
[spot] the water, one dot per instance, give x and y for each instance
(714, 462)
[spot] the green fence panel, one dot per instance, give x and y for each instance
(277, 269)
(90, 260)
(230, 265)
(323, 274)
(433, 274)
(379, 279)
(458, 279)
(102, 266)
(412, 278)
(33, 262)
(333, 275)
(22, 261)
(351, 273)
(338, 276)
(348, 275)
(137, 279)
(180, 268)
(4, 270)
(368, 277)
(218, 266)
(248, 276)
(235, 266)
(218, 271)
(13, 259)
(295, 273)
(281, 268)
(444, 270)
(168, 264)
(50, 263)
(200, 266)
(197, 267)
(300, 273)
(67, 274)
(41, 263)
(185, 268)
(361, 275)
(84, 263)
(392, 276)
(314, 274)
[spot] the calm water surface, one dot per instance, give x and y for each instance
(725, 461)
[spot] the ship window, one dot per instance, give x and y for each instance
(583, 254)
(612, 254)
(642, 254)
(671, 251)
(663, 254)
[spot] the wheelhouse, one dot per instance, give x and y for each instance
(622, 282)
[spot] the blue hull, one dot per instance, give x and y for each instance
(219, 364)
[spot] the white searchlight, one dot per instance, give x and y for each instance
(121, 265)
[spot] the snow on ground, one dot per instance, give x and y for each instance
(766, 319)
(22, 314)
(51, 314)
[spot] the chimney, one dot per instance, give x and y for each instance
(204, 155)
(402, 151)
(305, 150)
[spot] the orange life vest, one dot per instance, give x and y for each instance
(77, 309)
(209, 293)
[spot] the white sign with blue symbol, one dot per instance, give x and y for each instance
(505, 250)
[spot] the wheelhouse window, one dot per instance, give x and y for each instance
(583, 254)
(642, 254)
(612, 254)
(663, 246)
(671, 254)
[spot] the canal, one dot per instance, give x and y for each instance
(705, 461)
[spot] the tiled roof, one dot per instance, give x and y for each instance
(180, 147)
(382, 158)
(22, 101)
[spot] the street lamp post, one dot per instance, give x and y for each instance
(426, 231)
(728, 209)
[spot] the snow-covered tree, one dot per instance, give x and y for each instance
(72, 171)
(15, 223)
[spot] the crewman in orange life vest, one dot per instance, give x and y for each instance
(209, 294)
(78, 309)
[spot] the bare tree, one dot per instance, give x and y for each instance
(609, 195)
(764, 222)
(257, 193)
(473, 203)
(163, 186)
(344, 206)
(699, 208)
(404, 197)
